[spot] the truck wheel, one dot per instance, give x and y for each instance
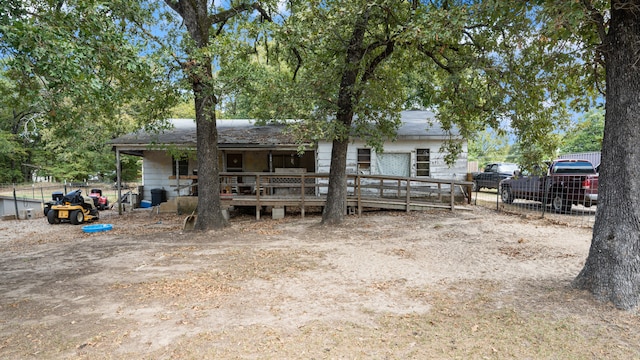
(52, 217)
(505, 194)
(475, 187)
(560, 203)
(76, 217)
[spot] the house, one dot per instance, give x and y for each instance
(247, 147)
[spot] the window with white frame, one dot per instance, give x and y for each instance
(423, 162)
(364, 161)
(393, 164)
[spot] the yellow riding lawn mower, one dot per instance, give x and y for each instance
(72, 208)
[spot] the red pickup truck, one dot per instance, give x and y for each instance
(567, 182)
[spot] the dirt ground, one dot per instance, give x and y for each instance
(387, 285)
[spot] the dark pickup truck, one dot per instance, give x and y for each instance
(492, 175)
(566, 183)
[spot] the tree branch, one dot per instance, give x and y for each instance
(597, 18)
(299, 65)
(262, 11)
(175, 5)
(432, 56)
(158, 41)
(228, 14)
(368, 73)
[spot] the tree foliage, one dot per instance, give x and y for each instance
(488, 147)
(586, 134)
(84, 76)
(19, 142)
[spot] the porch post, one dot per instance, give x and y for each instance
(258, 186)
(119, 180)
(177, 177)
(302, 191)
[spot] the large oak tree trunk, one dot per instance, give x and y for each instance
(334, 211)
(199, 70)
(335, 208)
(612, 269)
(209, 204)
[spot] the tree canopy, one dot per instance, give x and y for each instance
(81, 79)
(586, 134)
(488, 146)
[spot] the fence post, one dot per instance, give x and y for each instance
(302, 191)
(358, 182)
(452, 188)
(257, 190)
(15, 202)
(408, 195)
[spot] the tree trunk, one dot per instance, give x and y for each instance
(335, 209)
(198, 69)
(209, 204)
(612, 269)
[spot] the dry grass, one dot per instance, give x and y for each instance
(434, 285)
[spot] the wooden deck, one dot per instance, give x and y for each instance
(306, 190)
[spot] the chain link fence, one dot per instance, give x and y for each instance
(15, 199)
(578, 215)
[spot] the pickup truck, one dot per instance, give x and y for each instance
(567, 182)
(492, 175)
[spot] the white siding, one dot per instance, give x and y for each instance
(157, 167)
(323, 157)
(438, 167)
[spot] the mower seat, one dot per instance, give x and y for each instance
(88, 202)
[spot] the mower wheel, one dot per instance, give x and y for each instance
(76, 217)
(52, 217)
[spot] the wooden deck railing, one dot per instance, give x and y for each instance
(363, 191)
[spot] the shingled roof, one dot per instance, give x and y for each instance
(245, 133)
(230, 132)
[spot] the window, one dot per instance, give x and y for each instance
(364, 161)
(423, 162)
(291, 160)
(183, 165)
(394, 164)
(235, 163)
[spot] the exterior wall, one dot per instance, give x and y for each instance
(157, 167)
(438, 167)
